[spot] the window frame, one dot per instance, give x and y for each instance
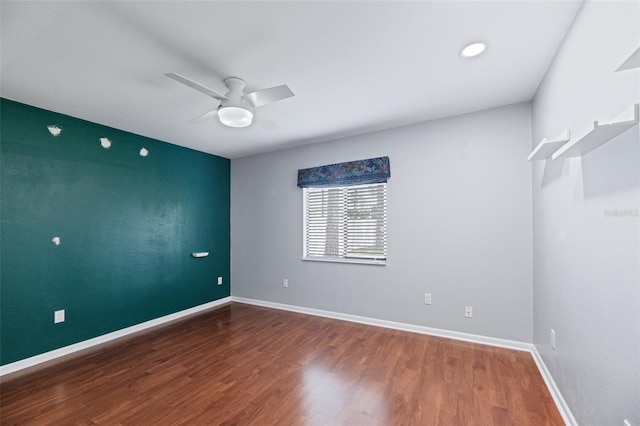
(380, 261)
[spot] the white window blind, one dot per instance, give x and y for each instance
(346, 223)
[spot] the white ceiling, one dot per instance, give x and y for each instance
(355, 67)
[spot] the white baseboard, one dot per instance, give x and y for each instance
(473, 338)
(67, 350)
(565, 412)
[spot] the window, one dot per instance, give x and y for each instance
(345, 211)
(346, 223)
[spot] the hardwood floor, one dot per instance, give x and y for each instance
(247, 365)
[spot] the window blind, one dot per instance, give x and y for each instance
(348, 222)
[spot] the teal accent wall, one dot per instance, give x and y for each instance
(127, 224)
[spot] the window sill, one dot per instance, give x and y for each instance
(346, 260)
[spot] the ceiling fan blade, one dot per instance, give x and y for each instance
(266, 123)
(199, 87)
(268, 96)
(205, 116)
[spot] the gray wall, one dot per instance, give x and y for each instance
(586, 269)
(459, 227)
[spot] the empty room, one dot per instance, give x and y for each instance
(320, 212)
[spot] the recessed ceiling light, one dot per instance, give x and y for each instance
(473, 50)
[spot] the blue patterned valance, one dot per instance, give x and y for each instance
(371, 170)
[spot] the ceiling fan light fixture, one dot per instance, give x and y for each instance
(473, 50)
(236, 107)
(235, 116)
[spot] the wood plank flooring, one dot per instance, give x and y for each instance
(248, 365)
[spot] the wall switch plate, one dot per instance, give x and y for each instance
(427, 298)
(468, 312)
(553, 339)
(58, 316)
(285, 283)
(219, 280)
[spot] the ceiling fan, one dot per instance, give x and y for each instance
(236, 107)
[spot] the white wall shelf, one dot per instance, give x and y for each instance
(600, 134)
(546, 147)
(633, 61)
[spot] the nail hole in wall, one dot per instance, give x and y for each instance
(144, 152)
(54, 130)
(106, 143)
(56, 240)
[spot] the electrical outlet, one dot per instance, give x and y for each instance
(427, 298)
(58, 316)
(219, 280)
(285, 283)
(468, 312)
(553, 339)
